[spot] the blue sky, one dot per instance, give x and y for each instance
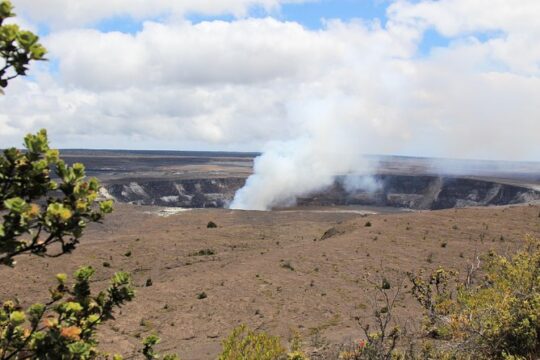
(312, 15)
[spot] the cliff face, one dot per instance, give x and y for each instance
(425, 192)
(193, 193)
(414, 192)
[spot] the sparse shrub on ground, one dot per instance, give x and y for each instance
(204, 252)
(211, 225)
(246, 344)
(381, 341)
(148, 349)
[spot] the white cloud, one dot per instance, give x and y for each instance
(455, 17)
(245, 51)
(250, 82)
(70, 13)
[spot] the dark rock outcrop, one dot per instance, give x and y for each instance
(413, 192)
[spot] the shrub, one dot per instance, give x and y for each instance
(65, 327)
(204, 252)
(380, 342)
(17, 47)
(38, 211)
(501, 315)
(246, 344)
(497, 318)
(148, 349)
(211, 225)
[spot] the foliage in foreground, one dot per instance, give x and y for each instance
(39, 211)
(65, 327)
(497, 318)
(17, 47)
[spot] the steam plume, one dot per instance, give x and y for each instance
(332, 147)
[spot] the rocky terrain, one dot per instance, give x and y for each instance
(411, 192)
(210, 180)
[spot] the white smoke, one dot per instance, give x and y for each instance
(332, 146)
(354, 183)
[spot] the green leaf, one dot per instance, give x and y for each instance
(16, 205)
(52, 156)
(61, 278)
(17, 318)
(84, 273)
(121, 278)
(38, 143)
(36, 312)
(58, 211)
(8, 33)
(27, 39)
(78, 170)
(37, 52)
(79, 350)
(72, 306)
(6, 9)
(106, 207)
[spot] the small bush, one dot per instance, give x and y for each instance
(368, 224)
(148, 350)
(245, 344)
(211, 225)
(204, 252)
(287, 265)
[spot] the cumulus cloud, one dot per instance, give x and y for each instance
(315, 97)
(69, 13)
(242, 52)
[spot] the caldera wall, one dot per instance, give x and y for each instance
(414, 192)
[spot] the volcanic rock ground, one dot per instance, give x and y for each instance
(270, 270)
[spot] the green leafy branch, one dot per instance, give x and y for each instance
(65, 327)
(39, 211)
(17, 47)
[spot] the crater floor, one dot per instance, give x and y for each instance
(275, 271)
